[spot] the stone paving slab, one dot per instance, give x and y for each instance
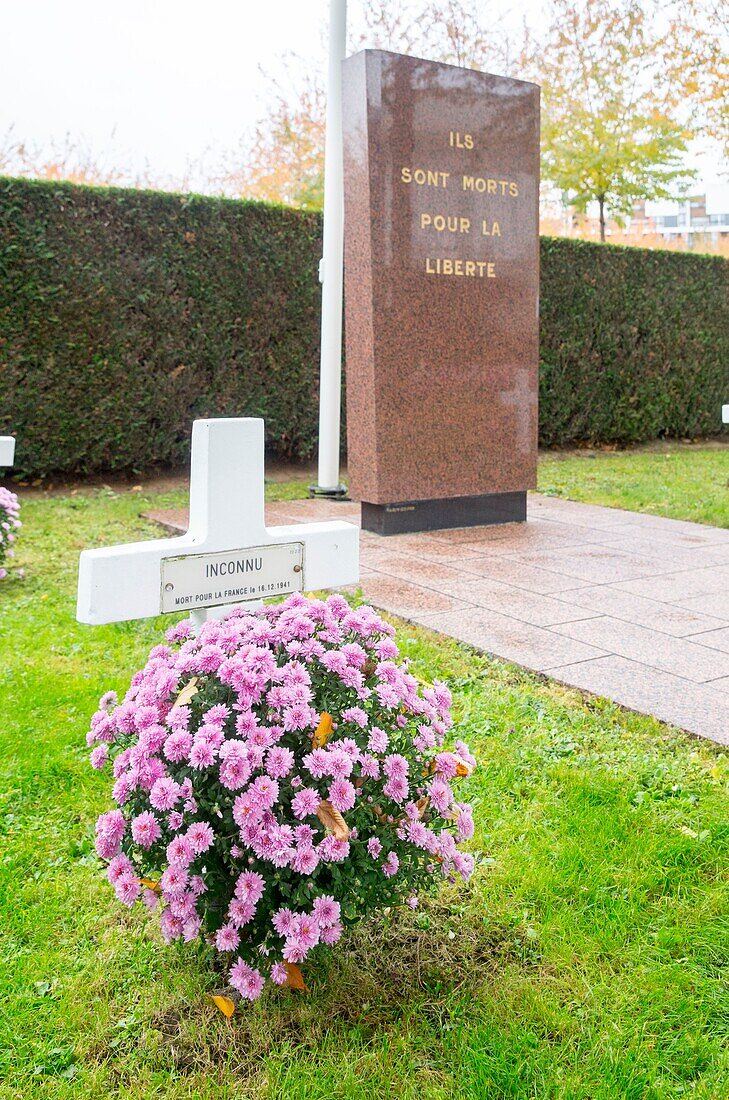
(619, 604)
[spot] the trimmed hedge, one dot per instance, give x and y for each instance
(126, 314)
(634, 343)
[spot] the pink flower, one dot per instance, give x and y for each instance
(332, 934)
(180, 851)
(332, 850)
(127, 889)
(341, 763)
(279, 762)
(164, 794)
(119, 866)
(463, 863)
(150, 899)
(177, 746)
(342, 795)
(227, 938)
(174, 880)
(294, 951)
(440, 795)
(396, 789)
(395, 766)
(266, 791)
(246, 980)
(305, 860)
(111, 825)
(279, 974)
(370, 767)
(305, 802)
(99, 756)
(202, 753)
(200, 836)
(240, 912)
(250, 887)
(284, 921)
(306, 931)
(355, 715)
(374, 847)
(378, 740)
(391, 865)
(145, 829)
(326, 910)
(300, 716)
(317, 762)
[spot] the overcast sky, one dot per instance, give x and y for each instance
(156, 83)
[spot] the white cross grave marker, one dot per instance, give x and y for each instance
(228, 556)
(7, 450)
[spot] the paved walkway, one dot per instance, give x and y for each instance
(620, 604)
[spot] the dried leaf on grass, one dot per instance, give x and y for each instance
(295, 979)
(225, 1004)
(332, 820)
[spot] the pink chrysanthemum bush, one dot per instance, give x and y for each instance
(9, 524)
(278, 777)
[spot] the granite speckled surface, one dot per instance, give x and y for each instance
(441, 279)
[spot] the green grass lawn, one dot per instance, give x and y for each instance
(587, 959)
(682, 481)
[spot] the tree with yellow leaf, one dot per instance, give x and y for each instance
(612, 130)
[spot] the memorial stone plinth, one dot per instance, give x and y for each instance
(441, 292)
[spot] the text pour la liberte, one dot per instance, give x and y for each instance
(439, 223)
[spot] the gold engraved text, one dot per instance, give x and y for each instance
(424, 177)
(460, 141)
(486, 186)
(449, 222)
(479, 269)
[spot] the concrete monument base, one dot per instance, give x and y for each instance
(433, 515)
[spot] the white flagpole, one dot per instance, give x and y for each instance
(331, 267)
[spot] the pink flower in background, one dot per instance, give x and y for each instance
(9, 523)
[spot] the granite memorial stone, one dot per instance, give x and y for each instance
(441, 292)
